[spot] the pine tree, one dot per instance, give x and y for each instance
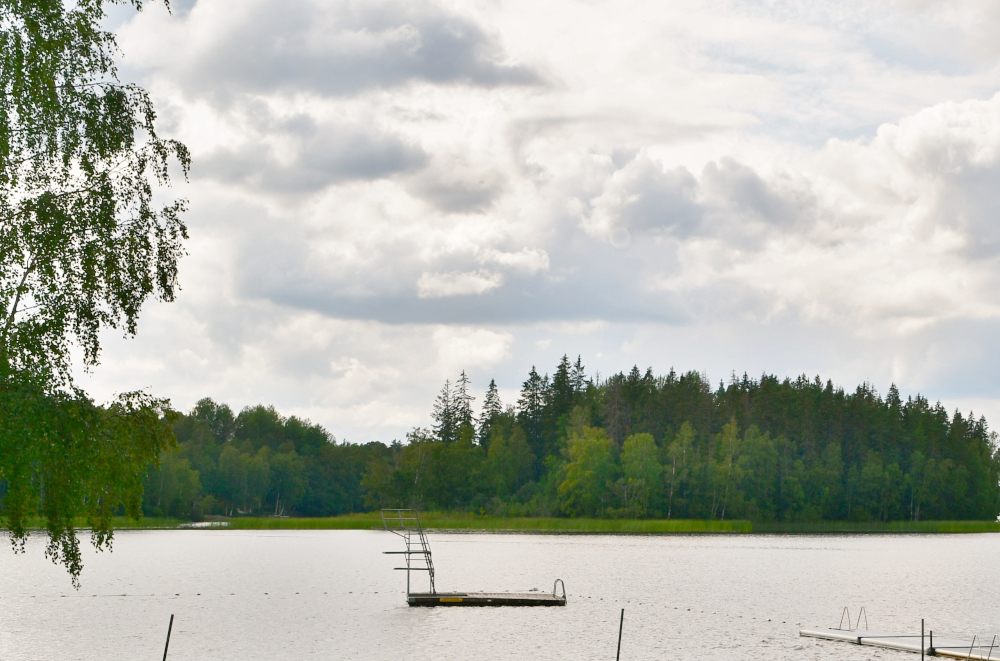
(491, 408)
(445, 427)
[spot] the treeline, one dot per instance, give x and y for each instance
(257, 462)
(632, 445)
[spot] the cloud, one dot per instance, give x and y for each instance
(643, 196)
(872, 230)
(468, 348)
(303, 156)
(330, 49)
(952, 155)
(736, 189)
(455, 283)
(458, 187)
(973, 24)
(527, 261)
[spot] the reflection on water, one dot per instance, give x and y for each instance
(296, 595)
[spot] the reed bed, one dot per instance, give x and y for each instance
(877, 527)
(443, 521)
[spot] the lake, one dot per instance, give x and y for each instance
(295, 595)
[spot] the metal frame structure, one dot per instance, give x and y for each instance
(405, 523)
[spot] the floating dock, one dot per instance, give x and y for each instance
(405, 523)
(976, 648)
(486, 599)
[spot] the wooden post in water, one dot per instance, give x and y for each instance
(620, 624)
(921, 639)
(169, 627)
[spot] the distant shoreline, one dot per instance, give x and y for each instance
(460, 522)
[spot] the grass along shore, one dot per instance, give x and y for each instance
(471, 522)
(452, 521)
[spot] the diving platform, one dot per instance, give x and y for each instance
(924, 643)
(405, 523)
(489, 599)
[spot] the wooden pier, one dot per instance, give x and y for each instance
(405, 523)
(485, 599)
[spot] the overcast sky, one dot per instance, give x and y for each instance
(386, 193)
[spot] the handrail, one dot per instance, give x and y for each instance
(847, 614)
(559, 581)
(840, 627)
(974, 638)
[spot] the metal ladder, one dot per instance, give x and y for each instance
(404, 523)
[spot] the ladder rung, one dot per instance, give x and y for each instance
(405, 552)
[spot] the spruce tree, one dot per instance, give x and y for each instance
(461, 403)
(578, 377)
(531, 411)
(444, 415)
(561, 393)
(492, 407)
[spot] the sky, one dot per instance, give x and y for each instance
(384, 194)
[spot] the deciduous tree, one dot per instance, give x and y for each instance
(82, 247)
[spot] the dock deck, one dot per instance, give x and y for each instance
(485, 599)
(972, 648)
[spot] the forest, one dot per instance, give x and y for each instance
(633, 445)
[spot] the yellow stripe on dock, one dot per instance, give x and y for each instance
(451, 600)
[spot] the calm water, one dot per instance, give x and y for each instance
(333, 595)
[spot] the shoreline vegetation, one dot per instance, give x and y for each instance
(444, 522)
(473, 523)
(787, 455)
